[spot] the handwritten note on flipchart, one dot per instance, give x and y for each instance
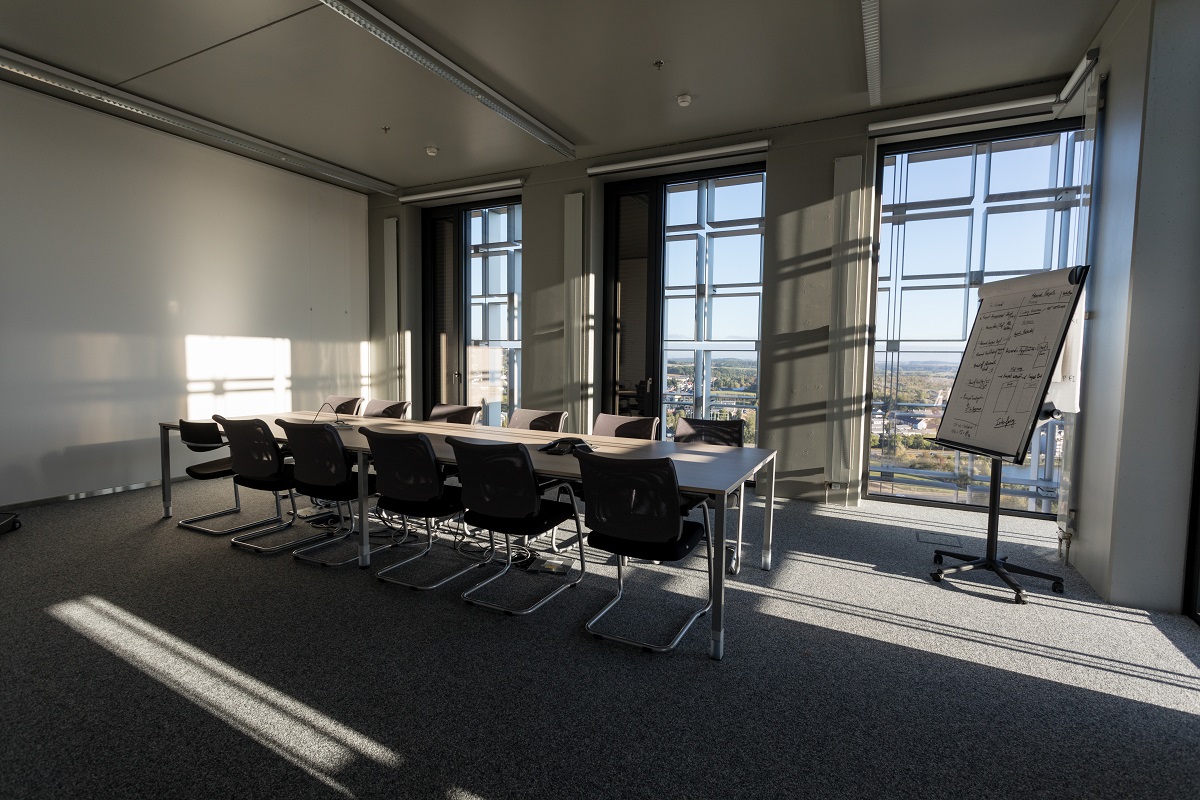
(1008, 363)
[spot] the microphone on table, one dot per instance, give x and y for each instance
(337, 420)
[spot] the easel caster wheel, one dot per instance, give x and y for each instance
(1019, 598)
(936, 576)
(1057, 587)
(937, 558)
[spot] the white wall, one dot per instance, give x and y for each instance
(117, 244)
(1142, 369)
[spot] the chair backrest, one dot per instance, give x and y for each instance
(626, 427)
(631, 498)
(529, 419)
(393, 409)
(460, 415)
(342, 404)
(202, 437)
(252, 447)
(405, 465)
(729, 432)
(318, 452)
(497, 478)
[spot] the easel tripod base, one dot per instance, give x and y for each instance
(991, 561)
(999, 566)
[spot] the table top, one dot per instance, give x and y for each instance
(703, 468)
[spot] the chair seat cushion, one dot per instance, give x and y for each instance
(279, 482)
(221, 468)
(552, 514)
(348, 490)
(670, 550)
(449, 503)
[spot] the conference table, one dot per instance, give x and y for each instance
(711, 470)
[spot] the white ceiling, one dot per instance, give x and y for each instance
(295, 73)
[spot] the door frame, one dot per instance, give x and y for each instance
(655, 189)
(432, 366)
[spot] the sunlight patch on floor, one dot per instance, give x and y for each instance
(1142, 665)
(320, 746)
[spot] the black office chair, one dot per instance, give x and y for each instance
(626, 427)
(343, 404)
(411, 485)
(529, 419)
(205, 437)
(635, 510)
(258, 464)
(501, 494)
(325, 471)
(459, 415)
(728, 433)
(391, 409)
(621, 427)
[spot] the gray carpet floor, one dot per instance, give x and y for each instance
(141, 660)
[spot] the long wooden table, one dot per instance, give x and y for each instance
(702, 469)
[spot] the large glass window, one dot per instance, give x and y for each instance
(953, 218)
(712, 300)
(493, 329)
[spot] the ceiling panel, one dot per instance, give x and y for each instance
(585, 69)
(295, 73)
(318, 84)
(936, 49)
(115, 40)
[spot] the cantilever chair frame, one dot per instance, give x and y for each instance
(321, 467)
(480, 519)
(205, 437)
(598, 462)
(415, 492)
(264, 466)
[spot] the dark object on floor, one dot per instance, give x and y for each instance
(9, 522)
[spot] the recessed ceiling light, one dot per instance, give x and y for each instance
(684, 100)
(431, 150)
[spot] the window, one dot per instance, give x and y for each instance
(472, 263)
(952, 218)
(683, 296)
(712, 300)
(493, 333)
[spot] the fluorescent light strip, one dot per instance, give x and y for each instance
(870, 21)
(403, 42)
(17, 65)
(696, 155)
(498, 186)
(927, 119)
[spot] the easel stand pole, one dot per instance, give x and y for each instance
(992, 561)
